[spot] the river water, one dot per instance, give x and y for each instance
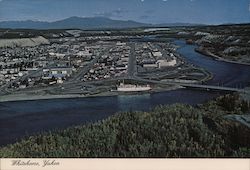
(226, 74)
(24, 118)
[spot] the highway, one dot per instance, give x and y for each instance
(209, 87)
(132, 61)
(79, 75)
(190, 85)
(77, 86)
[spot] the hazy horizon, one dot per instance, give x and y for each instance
(209, 12)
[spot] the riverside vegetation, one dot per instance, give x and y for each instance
(166, 131)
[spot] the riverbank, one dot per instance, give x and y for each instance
(208, 53)
(29, 97)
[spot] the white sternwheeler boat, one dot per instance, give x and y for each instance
(132, 88)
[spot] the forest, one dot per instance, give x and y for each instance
(171, 131)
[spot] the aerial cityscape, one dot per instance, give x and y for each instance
(124, 79)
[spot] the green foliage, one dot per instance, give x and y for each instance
(233, 103)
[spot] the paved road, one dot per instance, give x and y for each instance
(207, 87)
(187, 85)
(214, 87)
(78, 87)
(132, 61)
(85, 69)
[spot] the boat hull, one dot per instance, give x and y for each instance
(122, 89)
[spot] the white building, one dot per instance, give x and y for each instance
(86, 53)
(57, 73)
(165, 63)
(150, 65)
(157, 54)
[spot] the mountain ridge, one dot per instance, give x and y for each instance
(73, 22)
(76, 22)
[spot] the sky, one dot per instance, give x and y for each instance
(146, 11)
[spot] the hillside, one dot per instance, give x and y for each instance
(167, 131)
(86, 23)
(73, 22)
(23, 42)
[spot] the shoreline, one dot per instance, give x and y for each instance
(27, 97)
(216, 57)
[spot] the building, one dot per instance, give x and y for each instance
(149, 63)
(121, 67)
(157, 54)
(165, 63)
(86, 53)
(58, 73)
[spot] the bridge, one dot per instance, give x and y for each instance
(210, 87)
(190, 85)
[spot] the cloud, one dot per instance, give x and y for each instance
(115, 13)
(104, 14)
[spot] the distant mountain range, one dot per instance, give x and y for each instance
(81, 23)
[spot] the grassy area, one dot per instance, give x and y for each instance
(167, 131)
